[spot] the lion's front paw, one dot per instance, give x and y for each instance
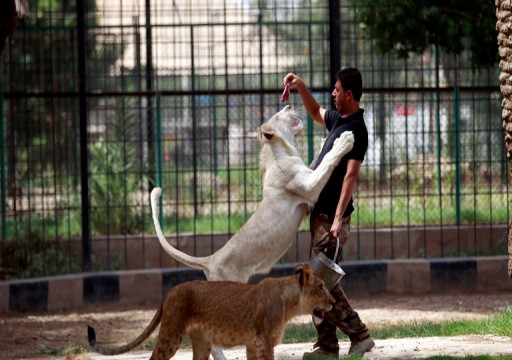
(344, 143)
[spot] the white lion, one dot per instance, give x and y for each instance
(290, 189)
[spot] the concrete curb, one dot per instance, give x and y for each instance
(140, 287)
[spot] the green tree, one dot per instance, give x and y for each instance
(114, 179)
(41, 59)
(412, 26)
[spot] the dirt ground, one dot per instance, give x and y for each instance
(23, 336)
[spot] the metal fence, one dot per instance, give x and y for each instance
(101, 101)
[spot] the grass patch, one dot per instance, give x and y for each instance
(61, 351)
(151, 343)
(471, 357)
(499, 324)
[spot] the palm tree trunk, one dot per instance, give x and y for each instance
(504, 27)
(8, 19)
(10, 12)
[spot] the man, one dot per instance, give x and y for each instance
(330, 219)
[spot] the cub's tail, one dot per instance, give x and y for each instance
(91, 335)
(195, 262)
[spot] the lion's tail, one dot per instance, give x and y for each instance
(195, 262)
(91, 334)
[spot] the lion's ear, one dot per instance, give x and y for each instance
(305, 274)
(267, 133)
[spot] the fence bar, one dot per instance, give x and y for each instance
(3, 179)
(334, 39)
(149, 88)
(12, 95)
(194, 122)
(84, 157)
(438, 142)
(311, 145)
(159, 153)
(456, 112)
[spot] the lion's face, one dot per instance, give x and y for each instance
(286, 124)
(315, 294)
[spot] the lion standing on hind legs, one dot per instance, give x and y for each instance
(290, 189)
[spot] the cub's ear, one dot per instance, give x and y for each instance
(267, 133)
(305, 274)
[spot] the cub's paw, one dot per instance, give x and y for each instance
(344, 143)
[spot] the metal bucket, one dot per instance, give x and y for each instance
(325, 268)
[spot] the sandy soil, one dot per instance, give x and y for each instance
(23, 335)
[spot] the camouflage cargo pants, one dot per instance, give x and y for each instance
(342, 315)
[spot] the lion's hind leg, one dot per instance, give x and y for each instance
(260, 349)
(201, 346)
(169, 340)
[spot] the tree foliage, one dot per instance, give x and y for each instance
(411, 26)
(41, 59)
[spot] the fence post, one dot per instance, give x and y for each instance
(84, 155)
(334, 39)
(194, 122)
(438, 145)
(310, 130)
(457, 152)
(149, 88)
(159, 153)
(3, 179)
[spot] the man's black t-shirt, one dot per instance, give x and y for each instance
(330, 195)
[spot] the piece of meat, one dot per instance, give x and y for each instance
(286, 94)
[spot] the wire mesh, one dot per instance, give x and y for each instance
(175, 94)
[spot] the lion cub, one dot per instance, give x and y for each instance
(227, 313)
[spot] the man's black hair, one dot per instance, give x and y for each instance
(351, 79)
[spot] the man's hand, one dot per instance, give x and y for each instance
(336, 227)
(292, 80)
(314, 110)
